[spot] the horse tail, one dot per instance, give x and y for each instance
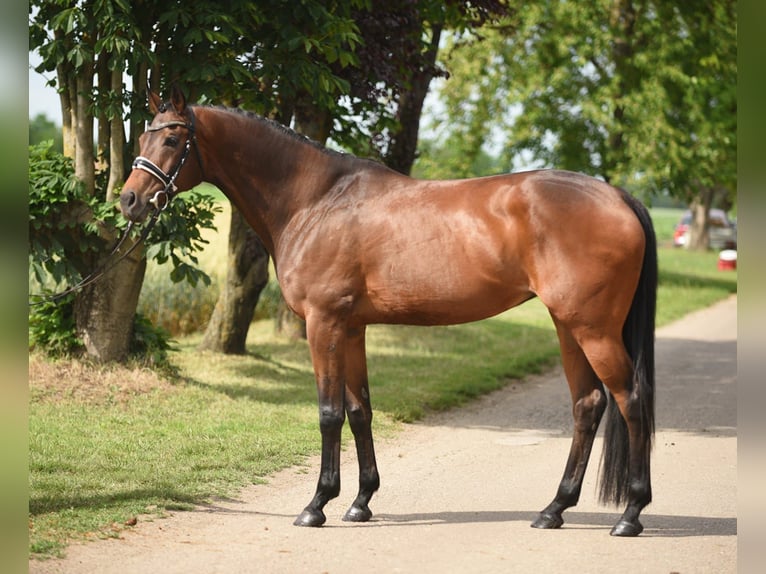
(638, 337)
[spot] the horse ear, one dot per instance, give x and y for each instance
(178, 99)
(154, 102)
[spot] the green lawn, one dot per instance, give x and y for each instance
(131, 443)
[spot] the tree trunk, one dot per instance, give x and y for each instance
(104, 311)
(105, 84)
(116, 143)
(246, 276)
(404, 143)
(699, 231)
(84, 158)
(137, 121)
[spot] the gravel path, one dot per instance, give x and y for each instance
(459, 490)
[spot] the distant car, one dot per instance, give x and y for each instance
(723, 231)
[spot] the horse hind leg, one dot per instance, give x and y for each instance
(627, 437)
(588, 405)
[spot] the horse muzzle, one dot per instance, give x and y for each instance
(132, 206)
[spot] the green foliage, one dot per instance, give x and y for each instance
(60, 247)
(52, 328)
(151, 343)
(641, 93)
(42, 129)
(178, 236)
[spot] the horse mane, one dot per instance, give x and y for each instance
(287, 131)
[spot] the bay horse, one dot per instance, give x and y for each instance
(355, 243)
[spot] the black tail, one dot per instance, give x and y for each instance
(638, 336)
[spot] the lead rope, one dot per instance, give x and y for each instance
(105, 267)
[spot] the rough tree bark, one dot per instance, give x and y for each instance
(116, 142)
(104, 310)
(246, 275)
(699, 232)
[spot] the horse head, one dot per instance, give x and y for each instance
(161, 170)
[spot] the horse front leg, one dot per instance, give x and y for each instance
(359, 410)
(327, 345)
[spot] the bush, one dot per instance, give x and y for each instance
(52, 327)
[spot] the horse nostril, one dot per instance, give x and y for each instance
(128, 199)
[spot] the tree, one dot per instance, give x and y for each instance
(95, 48)
(639, 92)
(247, 273)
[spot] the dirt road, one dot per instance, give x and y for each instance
(460, 489)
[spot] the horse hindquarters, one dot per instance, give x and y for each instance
(623, 360)
(630, 422)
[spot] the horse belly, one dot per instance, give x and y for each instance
(442, 291)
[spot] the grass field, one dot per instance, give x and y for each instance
(109, 444)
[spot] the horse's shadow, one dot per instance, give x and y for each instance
(655, 525)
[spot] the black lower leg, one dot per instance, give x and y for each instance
(587, 415)
(328, 486)
(360, 420)
(639, 493)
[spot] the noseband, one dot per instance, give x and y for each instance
(162, 198)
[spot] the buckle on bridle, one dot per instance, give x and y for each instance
(155, 200)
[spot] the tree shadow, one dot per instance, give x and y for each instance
(172, 497)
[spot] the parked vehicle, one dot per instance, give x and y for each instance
(723, 231)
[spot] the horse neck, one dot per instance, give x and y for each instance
(267, 173)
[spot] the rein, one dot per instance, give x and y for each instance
(160, 201)
(105, 267)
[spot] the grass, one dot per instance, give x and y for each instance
(111, 444)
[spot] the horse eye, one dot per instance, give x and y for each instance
(171, 141)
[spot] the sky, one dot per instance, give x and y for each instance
(42, 99)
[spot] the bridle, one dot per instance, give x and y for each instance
(164, 195)
(168, 179)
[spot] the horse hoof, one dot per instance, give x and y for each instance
(544, 520)
(310, 517)
(625, 528)
(357, 514)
